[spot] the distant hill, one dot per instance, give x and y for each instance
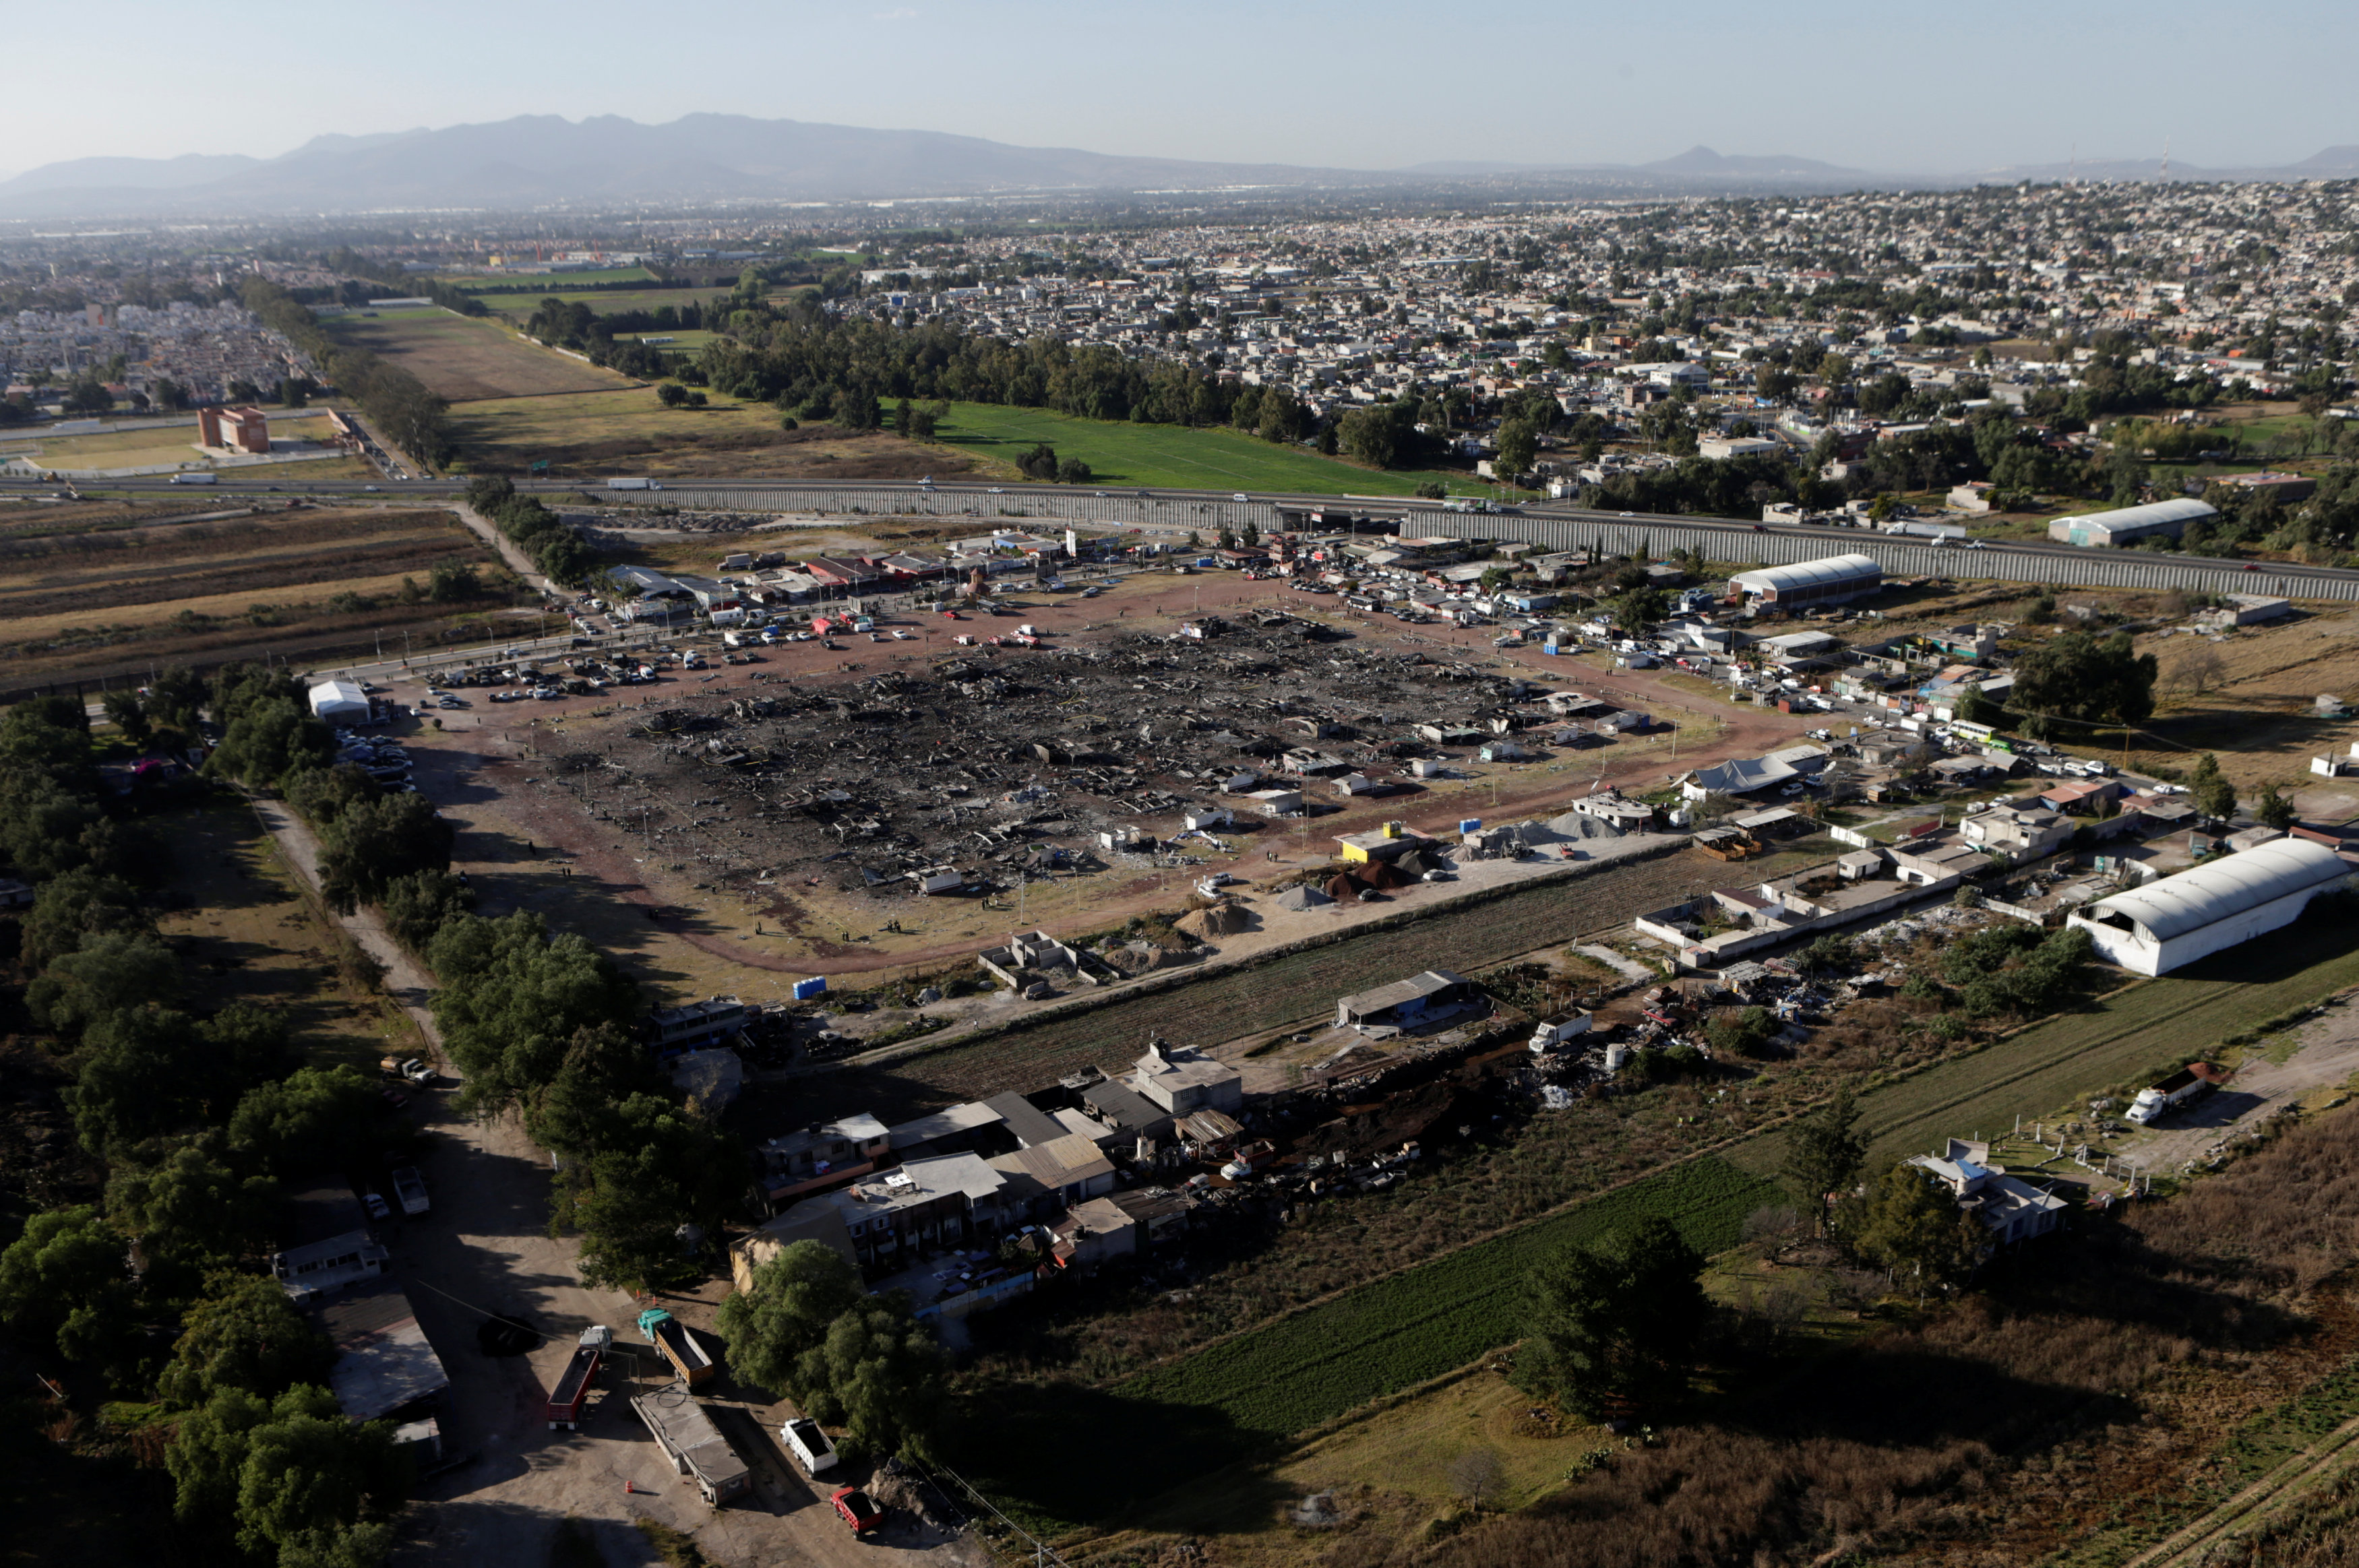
(1702, 161)
(537, 160)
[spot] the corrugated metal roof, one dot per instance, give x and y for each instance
(1810, 574)
(2220, 889)
(2181, 509)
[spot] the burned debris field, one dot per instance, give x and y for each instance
(894, 815)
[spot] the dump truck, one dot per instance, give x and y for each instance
(680, 1346)
(409, 1190)
(2191, 1082)
(572, 1391)
(809, 1444)
(413, 1068)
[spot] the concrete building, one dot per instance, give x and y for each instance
(1805, 583)
(2129, 524)
(242, 429)
(2012, 1209)
(1181, 1080)
(2166, 925)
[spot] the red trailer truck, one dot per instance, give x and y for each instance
(572, 1391)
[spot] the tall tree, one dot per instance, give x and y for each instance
(784, 1316)
(2086, 680)
(1913, 1229)
(1615, 1322)
(1824, 1151)
(244, 1333)
(884, 1377)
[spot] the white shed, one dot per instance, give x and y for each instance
(339, 700)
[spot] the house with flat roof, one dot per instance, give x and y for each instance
(1181, 1079)
(2012, 1210)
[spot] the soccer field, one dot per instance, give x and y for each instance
(1174, 457)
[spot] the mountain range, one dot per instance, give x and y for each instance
(607, 160)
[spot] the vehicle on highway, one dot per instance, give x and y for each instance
(994, 490)
(1241, 495)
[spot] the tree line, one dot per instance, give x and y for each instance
(396, 400)
(561, 554)
(543, 1026)
(197, 1119)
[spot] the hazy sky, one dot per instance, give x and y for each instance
(1352, 83)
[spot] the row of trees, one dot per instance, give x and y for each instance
(197, 1119)
(397, 402)
(562, 554)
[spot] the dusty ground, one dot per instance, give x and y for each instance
(663, 850)
(460, 358)
(2315, 1066)
(626, 430)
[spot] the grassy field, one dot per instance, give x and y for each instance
(157, 446)
(522, 302)
(249, 936)
(1171, 455)
(2169, 1021)
(1296, 1372)
(1077, 1459)
(99, 592)
(1296, 986)
(626, 431)
(464, 358)
(472, 282)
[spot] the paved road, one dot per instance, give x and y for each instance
(2283, 577)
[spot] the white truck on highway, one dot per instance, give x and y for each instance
(633, 484)
(2191, 1082)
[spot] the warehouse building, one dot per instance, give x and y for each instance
(2130, 524)
(1807, 583)
(2170, 924)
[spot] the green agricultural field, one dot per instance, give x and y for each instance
(1070, 1458)
(603, 301)
(2173, 1020)
(512, 282)
(1174, 457)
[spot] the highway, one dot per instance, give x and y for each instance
(1729, 538)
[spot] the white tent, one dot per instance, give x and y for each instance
(334, 700)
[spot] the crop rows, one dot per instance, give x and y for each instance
(2161, 1023)
(1098, 1452)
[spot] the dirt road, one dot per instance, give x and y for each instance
(2328, 1055)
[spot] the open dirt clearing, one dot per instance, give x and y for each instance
(626, 431)
(462, 357)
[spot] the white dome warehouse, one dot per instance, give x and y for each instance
(2168, 923)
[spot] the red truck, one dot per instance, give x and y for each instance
(572, 1391)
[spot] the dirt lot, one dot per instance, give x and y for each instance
(2315, 1067)
(2256, 711)
(717, 850)
(628, 431)
(105, 592)
(462, 358)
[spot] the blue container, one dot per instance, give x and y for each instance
(806, 989)
(1471, 825)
